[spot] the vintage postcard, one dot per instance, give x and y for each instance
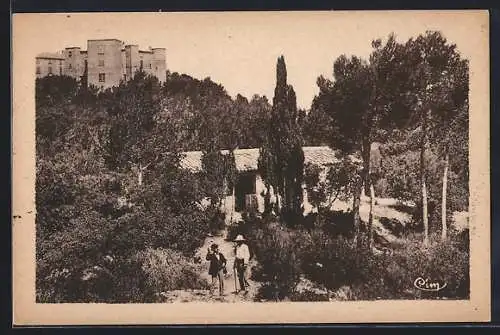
(251, 167)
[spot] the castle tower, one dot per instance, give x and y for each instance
(104, 62)
(159, 64)
(73, 62)
(132, 60)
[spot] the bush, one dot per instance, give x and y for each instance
(63, 256)
(167, 270)
(356, 272)
(336, 262)
(278, 251)
(371, 276)
(337, 223)
(334, 223)
(135, 279)
(394, 226)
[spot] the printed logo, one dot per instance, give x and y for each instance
(428, 285)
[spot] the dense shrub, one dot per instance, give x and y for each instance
(167, 270)
(442, 262)
(63, 256)
(354, 272)
(394, 226)
(335, 262)
(373, 276)
(337, 223)
(278, 251)
(134, 279)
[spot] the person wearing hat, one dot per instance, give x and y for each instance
(217, 267)
(242, 257)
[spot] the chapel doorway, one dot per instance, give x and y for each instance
(245, 185)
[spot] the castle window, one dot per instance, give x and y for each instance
(150, 66)
(70, 54)
(50, 69)
(69, 66)
(101, 62)
(38, 70)
(60, 70)
(124, 77)
(142, 64)
(102, 77)
(100, 51)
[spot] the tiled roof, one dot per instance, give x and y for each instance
(49, 55)
(246, 159)
(319, 155)
(191, 160)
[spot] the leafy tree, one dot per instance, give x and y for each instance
(132, 107)
(438, 91)
(52, 90)
(219, 176)
(336, 183)
(348, 104)
(254, 117)
(318, 126)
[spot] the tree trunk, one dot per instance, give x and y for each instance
(425, 218)
(358, 189)
(139, 175)
(370, 217)
(278, 203)
(232, 204)
(425, 214)
(267, 200)
(443, 200)
(365, 153)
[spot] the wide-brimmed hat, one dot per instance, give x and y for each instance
(239, 238)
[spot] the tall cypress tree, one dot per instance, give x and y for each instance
(281, 159)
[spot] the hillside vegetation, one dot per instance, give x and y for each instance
(118, 220)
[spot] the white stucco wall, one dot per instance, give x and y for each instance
(228, 208)
(260, 188)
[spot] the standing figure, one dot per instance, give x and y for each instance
(242, 257)
(217, 267)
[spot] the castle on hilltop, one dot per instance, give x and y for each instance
(104, 64)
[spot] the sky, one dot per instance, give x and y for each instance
(240, 50)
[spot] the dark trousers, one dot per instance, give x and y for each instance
(219, 277)
(241, 272)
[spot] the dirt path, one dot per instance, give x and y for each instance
(226, 247)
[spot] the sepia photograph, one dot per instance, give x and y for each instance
(246, 160)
